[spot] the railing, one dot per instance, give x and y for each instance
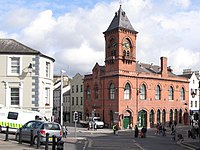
(56, 144)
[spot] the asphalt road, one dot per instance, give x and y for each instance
(104, 139)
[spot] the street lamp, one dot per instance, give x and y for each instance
(61, 97)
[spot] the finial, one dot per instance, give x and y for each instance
(120, 3)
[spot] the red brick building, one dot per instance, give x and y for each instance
(127, 92)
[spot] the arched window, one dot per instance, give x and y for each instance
(171, 93)
(158, 92)
(88, 93)
(112, 91)
(182, 93)
(143, 92)
(127, 91)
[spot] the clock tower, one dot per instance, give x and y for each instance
(120, 45)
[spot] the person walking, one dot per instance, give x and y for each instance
(114, 128)
(65, 131)
(163, 130)
(136, 131)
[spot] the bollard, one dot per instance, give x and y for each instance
(47, 141)
(53, 142)
(60, 145)
(20, 135)
(7, 129)
(31, 143)
(38, 139)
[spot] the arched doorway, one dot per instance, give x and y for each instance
(186, 117)
(151, 119)
(175, 116)
(127, 119)
(158, 116)
(180, 116)
(171, 116)
(142, 118)
(163, 116)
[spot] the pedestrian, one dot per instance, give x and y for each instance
(136, 131)
(175, 123)
(172, 129)
(143, 132)
(65, 131)
(173, 135)
(114, 128)
(95, 126)
(163, 130)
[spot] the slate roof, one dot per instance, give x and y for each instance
(120, 20)
(152, 69)
(11, 46)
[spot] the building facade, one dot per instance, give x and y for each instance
(57, 98)
(194, 92)
(26, 77)
(77, 96)
(126, 92)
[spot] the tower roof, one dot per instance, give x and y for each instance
(120, 20)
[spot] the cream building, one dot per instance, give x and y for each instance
(26, 77)
(77, 92)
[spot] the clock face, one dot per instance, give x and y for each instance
(126, 44)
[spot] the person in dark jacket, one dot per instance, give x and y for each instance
(136, 131)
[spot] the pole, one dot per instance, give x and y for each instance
(75, 134)
(61, 98)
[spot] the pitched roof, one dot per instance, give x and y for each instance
(120, 20)
(11, 46)
(153, 69)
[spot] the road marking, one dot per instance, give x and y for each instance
(138, 145)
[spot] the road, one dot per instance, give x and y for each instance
(103, 139)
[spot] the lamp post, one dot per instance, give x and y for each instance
(61, 97)
(199, 111)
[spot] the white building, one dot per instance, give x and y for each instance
(57, 98)
(194, 97)
(26, 77)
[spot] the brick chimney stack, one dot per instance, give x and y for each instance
(163, 66)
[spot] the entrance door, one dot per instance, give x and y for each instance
(126, 122)
(142, 118)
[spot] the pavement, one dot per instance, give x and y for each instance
(192, 144)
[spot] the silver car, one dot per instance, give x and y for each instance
(41, 127)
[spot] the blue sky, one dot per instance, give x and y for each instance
(70, 31)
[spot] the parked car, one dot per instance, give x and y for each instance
(42, 127)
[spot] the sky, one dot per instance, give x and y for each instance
(71, 31)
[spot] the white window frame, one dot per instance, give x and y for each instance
(9, 64)
(47, 69)
(47, 96)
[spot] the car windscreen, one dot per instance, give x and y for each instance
(51, 126)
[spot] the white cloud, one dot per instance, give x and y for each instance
(75, 39)
(181, 3)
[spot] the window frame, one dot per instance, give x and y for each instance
(127, 91)
(143, 92)
(171, 93)
(18, 96)
(158, 93)
(112, 91)
(182, 94)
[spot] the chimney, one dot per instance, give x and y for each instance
(163, 66)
